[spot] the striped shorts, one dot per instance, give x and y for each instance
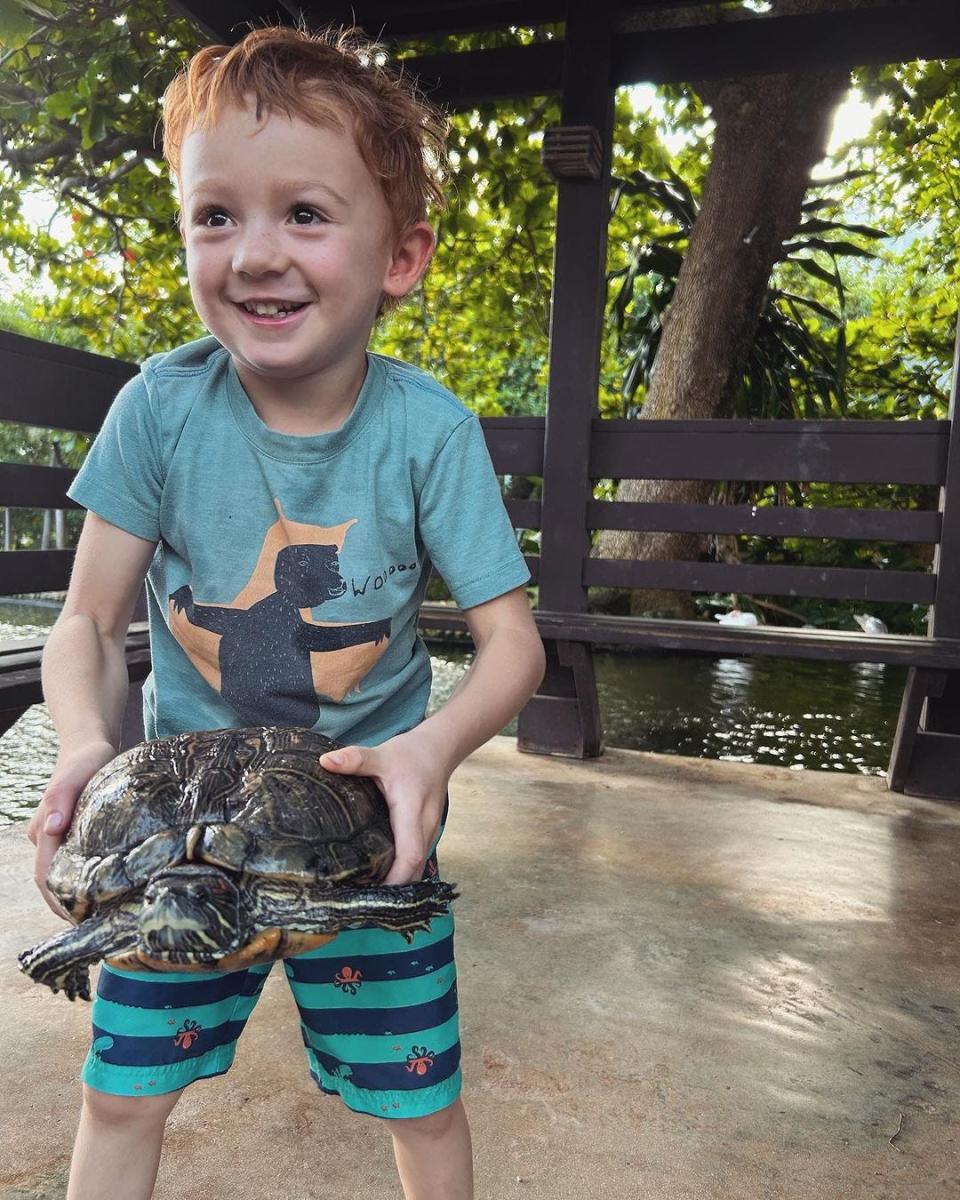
(378, 1016)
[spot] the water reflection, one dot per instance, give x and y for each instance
(782, 712)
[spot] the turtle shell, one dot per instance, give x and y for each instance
(267, 781)
(254, 800)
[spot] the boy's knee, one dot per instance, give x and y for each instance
(123, 1111)
(435, 1125)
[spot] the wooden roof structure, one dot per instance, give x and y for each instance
(655, 41)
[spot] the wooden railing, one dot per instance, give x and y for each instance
(57, 388)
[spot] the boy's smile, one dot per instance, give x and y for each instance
(290, 249)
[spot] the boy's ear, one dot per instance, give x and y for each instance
(411, 257)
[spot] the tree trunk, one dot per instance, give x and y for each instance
(770, 132)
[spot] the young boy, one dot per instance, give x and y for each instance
(285, 492)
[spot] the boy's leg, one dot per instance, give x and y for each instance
(434, 1155)
(154, 1033)
(117, 1150)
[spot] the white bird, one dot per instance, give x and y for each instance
(870, 624)
(736, 617)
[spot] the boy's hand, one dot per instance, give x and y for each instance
(414, 785)
(49, 824)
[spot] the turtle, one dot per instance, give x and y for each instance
(221, 849)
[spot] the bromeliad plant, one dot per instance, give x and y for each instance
(798, 364)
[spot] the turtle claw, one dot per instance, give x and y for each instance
(76, 983)
(73, 981)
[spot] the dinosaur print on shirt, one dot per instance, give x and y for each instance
(263, 651)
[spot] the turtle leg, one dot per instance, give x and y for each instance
(405, 908)
(63, 961)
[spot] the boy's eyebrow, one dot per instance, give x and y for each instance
(305, 185)
(286, 185)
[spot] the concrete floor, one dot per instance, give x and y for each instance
(679, 979)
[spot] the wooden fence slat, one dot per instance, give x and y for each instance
(34, 571)
(860, 524)
(814, 451)
(523, 514)
(35, 487)
(55, 387)
(709, 637)
(515, 444)
(840, 583)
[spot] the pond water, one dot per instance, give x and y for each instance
(790, 713)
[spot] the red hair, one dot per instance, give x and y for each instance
(328, 78)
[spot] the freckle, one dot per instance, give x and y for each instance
(151, 1082)
(138, 1087)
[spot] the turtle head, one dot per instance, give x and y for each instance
(190, 914)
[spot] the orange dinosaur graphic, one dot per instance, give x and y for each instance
(263, 651)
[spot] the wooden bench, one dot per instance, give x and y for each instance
(53, 387)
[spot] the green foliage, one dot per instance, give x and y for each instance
(79, 103)
(842, 332)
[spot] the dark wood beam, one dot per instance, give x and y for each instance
(892, 33)
(57, 387)
(391, 20)
(895, 33)
(223, 21)
(476, 76)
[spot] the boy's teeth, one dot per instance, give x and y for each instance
(270, 310)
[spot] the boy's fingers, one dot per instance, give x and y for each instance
(351, 760)
(56, 822)
(410, 853)
(46, 848)
(49, 818)
(34, 826)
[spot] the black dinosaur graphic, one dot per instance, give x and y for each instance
(265, 669)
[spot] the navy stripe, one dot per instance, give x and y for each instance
(412, 1018)
(153, 993)
(408, 964)
(392, 1077)
(125, 1051)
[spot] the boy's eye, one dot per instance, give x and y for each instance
(304, 214)
(213, 218)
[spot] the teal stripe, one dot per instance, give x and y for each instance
(366, 1048)
(394, 993)
(418, 1102)
(155, 1022)
(123, 1081)
(380, 941)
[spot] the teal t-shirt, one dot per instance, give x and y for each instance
(289, 570)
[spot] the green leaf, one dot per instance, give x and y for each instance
(15, 25)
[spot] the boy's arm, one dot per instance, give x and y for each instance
(414, 768)
(85, 674)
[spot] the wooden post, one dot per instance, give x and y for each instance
(925, 759)
(563, 718)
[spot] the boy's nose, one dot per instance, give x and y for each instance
(258, 253)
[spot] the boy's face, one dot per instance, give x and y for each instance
(284, 216)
